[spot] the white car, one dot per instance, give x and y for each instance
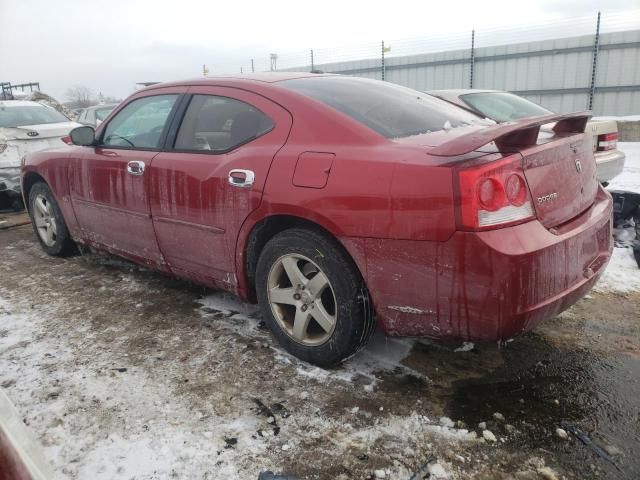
(27, 127)
(506, 107)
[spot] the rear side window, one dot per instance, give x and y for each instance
(502, 106)
(140, 123)
(219, 124)
(391, 110)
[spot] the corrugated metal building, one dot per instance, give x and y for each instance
(555, 73)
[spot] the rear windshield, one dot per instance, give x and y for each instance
(502, 106)
(29, 115)
(102, 113)
(391, 110)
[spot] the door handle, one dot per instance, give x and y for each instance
(241, 178)
(135, 167)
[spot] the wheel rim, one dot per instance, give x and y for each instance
(44, 220)
(302, 299)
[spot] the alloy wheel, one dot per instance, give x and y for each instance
(302, 299)
(45, 220)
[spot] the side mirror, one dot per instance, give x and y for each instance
(83, 136)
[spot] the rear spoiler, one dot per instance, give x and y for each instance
(511, 135)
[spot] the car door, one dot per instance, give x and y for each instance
(109, 182)
(211, 177)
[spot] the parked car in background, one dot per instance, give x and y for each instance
(336, 203)
(507, 107)
(94, 116)
(26, 127)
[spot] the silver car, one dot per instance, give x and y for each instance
(505, 107)
(94, 116)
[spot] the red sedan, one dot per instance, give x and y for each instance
(336, 203)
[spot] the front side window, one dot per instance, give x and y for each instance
(391, 110)
(219, 124)
(503, 106)
(140, 123)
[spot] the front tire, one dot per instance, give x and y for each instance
(48, 222)
(312, 297)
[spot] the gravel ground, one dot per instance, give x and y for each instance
(124, 373)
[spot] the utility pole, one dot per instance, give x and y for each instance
(312, 67)
(252, 69)
(383, 67)
(473, 56)
(596, 46)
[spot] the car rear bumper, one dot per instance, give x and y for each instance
(609, 165)
(491, 285)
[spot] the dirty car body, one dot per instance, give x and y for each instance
(458, 229)
(506, 107)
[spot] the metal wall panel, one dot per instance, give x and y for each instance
(555, 73)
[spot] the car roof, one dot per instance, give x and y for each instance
(20, 103)
(263, 77)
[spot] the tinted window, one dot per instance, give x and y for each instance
(218, 124)
(502, 106)
(140, 123)
(390, 110)
(29, 115)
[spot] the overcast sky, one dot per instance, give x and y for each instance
(110, 45)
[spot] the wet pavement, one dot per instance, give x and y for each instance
(110, 325)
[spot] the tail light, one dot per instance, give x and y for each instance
(607, 141)
(3, 147)
(67, 140)
(493, 195)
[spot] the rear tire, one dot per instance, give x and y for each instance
(312, 297)
(48, 222)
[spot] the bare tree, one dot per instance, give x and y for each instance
(80, 96)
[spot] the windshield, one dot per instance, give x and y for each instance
(503, 106)
(391, 110)
(29, 115)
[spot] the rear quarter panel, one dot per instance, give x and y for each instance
(376, 188)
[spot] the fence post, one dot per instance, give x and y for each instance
(596, 46)
(382, 65)
(252, 70)
(312, 67)
(473, 56)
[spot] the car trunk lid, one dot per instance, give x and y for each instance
(561, 175)
(38, 132)
(558, 166)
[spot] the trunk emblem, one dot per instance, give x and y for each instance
(32, 133)
(547, 198)
(578, 166)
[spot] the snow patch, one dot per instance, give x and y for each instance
(622, 274)
(629, 179)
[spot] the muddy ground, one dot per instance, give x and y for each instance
(125, 373)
